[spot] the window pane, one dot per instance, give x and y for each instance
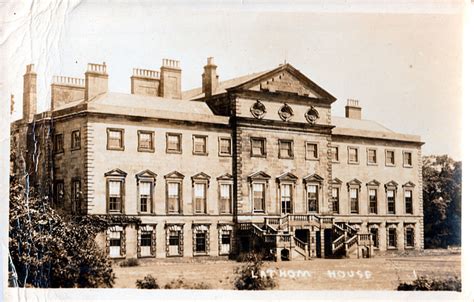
(225, 191)
(335, 153)
(372, 192)
(114, 188)
(335, 192)
(145, 188)
(145, 140)
(225, 146)
(353, 193)
(390, 193)
(173, 142)
(408, 194)
(199, 144)
(173, 189)
(353, 156)
(199, 190)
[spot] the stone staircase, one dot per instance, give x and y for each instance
(276, 234)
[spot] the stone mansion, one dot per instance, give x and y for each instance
(257, 162)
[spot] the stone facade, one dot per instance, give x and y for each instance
(231, 166)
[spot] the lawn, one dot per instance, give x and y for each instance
(381, 273)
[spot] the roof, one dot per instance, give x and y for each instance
(369, 129)
(197, 93)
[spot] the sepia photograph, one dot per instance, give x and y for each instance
(152, 148)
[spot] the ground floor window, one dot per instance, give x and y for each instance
(392, 238)
(409, 237)
(374, 232)
(201, 239)
(116, 242)
(146, 241)
(174, 241)
(225, 238)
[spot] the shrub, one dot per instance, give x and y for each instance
(149, 282)
(249, 276)
(182, 284)
(425, 284)
(129, 262)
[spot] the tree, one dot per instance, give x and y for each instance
(442, 188)
(47, 250)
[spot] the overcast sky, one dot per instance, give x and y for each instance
(403, 64)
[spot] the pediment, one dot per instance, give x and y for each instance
(146, 174)
(409, 185)
(354, 182)
(287, 176)
(373, 183)
(116, 172)
(174, 174)
(225, 176)
(313, 178)
(201, 175)
(391, 184)
(259, 175)
(286, 79)
(336, 181)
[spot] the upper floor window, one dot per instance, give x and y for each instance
(371, 156)
(115, 190)
(258, 196)
(312, 150)
(146, 141)
(225, 146)
(174, 195)
(390, 158)
(286, 148)
(373, 201)
(173, 142)
(335, 199)
(335, 153)
(286, 198)
(200, 198)
(225, 201)
(75, 140)
(258, 147)
(353, 155)
(145, 196)
(408, 201)
(391, 201)
(312, 197)
(115, 139)
(354, 196)
(58, 143)
(200, 144)
(407, 159)
(75, 195)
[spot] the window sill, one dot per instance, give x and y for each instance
(225, 155)
(353, 162)
(389, 165)
(174, 151)
(201, 154)
(391, 248)
(75, 149)
(259, 156)
(150, 256)
(174, 256)
(115, 149)
(409, 247)
(146, 150)
(407, 166)
(313, 159)
(372, 164)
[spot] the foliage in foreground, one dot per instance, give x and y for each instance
(149, 282)
(425, 284)
(129, 262)
(47, 250)
(249, 275)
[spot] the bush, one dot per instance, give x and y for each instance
(129, 262)
(149, 282)
(425, 284)
(181, 284)
(249, 276)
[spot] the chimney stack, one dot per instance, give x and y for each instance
(210, 79)
(170, 79)
(145, 82)
(29, 93)
(353, 110)
(12, 103)
(65, 90)
(97, 80)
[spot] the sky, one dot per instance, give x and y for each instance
(403, 63)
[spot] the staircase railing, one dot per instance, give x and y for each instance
(338, 243)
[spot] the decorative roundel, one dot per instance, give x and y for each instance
(258, 110)
(311, 115)
(285, 112)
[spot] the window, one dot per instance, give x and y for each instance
(145, 196)
(335, 153)
(392, 237)
(353, 155)
(225, 146)
(173, 143)
(374, 232)
(390, 158)
(286, 190)
(408, 202)
(354, 196)
(286, 148)
(258, 147)
(335, 199)
(371, 156)
(312, 197)
(174, 242)
(225, 193)
(409, 237)
(75, 140)
(173, 199)
(201, 242)
(199, 198)
(258, 194)
(145, 243)
(75, 195)
(225, 242)
(407, 159)
(116, 241)
(59, 193)
(391, 201)
(146, 141)
(312, 151)
(115, 139)
(115, 195)
(372, 201)
(199, 145)
(58, 143)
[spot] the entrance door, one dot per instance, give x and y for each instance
(285, 198)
